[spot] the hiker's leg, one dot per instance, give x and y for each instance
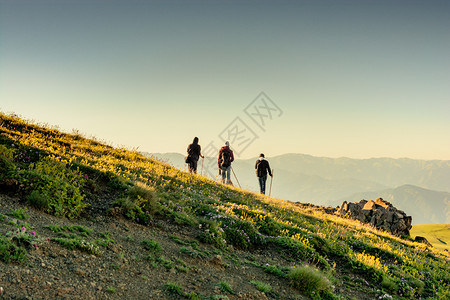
(228, 174)
(264, 178)
(260, 185)
(223, 174)
(194, 166)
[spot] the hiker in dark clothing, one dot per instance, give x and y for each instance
(194, 153)
(262, 167)
(225, 159)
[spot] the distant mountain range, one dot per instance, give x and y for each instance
(419, 187)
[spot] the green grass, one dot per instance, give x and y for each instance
(20, 213)
(225, 287)
(437, 234)
(80, 244)
(71, 228)
(10, 252)
(261, 286)
(174, 288)
(63, 173)
(152, 246)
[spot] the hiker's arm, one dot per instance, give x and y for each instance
(268, 169)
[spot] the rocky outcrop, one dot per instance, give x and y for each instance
(381, 214)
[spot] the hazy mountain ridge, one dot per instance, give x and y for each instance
(431, 174)
(330, 181)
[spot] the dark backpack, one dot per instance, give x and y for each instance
(226, 159)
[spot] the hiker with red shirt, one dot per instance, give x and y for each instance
(225, 159)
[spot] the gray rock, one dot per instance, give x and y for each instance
(379, 213)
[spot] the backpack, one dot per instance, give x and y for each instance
(261, 168)
(226, 159)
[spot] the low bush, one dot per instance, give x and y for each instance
(308, 279)
(10, 252)
(261, 286)
(139, 204)
(38, 200)
(226, 287)
(213, 234)
(55, 186)
(151, 245)
(78, 243)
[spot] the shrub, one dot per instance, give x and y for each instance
(6, 165)
(58, 184)
(308, 279)
(388, 284)
(410, 287)
(10, 251)
(38, 200)
(241, 233)
(298, 250)
(174, 288)
(139, 204)
(268, 226)
(213, 234)
(151, 245)
(126, 204)
(261, 286)
(226, 287)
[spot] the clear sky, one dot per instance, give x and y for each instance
(354, 78)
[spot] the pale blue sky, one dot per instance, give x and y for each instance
(353, 78)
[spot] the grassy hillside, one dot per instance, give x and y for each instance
(306, 181)
(437, 234)
(78, 213)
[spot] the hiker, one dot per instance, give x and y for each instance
(226, 157)
(262, 167)
(194, 153)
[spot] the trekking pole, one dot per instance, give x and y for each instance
(235, 177)
(271, 179)
(201, 173)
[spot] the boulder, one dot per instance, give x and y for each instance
(421, 239)
(379, 213)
